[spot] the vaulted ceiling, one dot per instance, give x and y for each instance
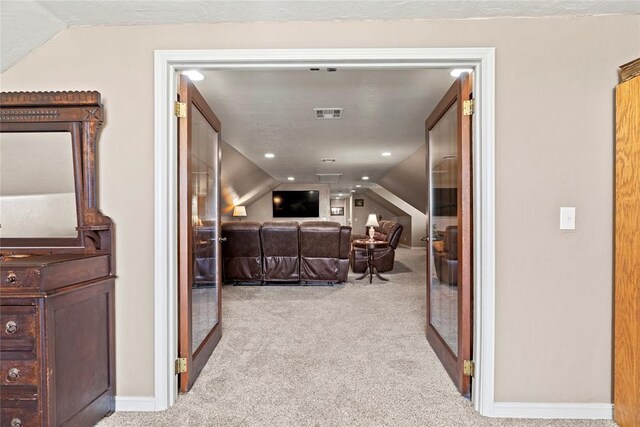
(27, 24)
(383, 111)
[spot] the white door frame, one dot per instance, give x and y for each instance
(168, 62)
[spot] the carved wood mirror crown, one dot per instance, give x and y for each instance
(34, 179)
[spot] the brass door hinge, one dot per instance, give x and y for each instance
(181, 365)
(467, 107)
(180, 109)
(469, 368)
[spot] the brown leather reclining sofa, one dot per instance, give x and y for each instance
(383, 258)
(285, 251)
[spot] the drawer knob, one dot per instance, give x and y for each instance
(16, 422)
(13, 374)
(11, 277)
(11, 327)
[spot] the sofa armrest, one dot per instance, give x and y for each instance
(345, 242)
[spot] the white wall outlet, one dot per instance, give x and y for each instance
(567, 218)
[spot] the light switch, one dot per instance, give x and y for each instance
(567, 218)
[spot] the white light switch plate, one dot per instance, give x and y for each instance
(567, 218)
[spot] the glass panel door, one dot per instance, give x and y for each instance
(204, 205)
(199, 308)
(449, 252)
(443, 202)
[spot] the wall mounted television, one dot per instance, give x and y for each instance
(296, 204)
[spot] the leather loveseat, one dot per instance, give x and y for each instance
(285, 251)
(383, 258)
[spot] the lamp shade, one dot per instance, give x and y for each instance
(239, 211)
(372, 221)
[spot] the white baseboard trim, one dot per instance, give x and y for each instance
(135, 403)
(402, 245)
(588, 411)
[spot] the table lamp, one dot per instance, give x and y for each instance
(372, 221)
(239, 211)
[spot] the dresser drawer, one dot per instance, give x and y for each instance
(19, 278)
(19, 417)
(17, 328)
(19, 372)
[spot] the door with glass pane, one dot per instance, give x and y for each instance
(199, 307)
(449, 224)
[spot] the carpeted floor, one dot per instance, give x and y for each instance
(344, 355)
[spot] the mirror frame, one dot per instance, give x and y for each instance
(81, 114)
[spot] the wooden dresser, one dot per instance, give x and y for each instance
(56, 285)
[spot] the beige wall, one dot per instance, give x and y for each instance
(337, 203)
(418, 219)
(242, 182)
(554, 118)
(361, 213)
(408, 180)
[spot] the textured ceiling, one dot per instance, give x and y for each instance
(27, 24)
(272, 111)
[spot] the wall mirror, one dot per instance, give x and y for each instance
(37, 186)
(48, 199)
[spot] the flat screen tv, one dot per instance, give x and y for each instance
(296, 204)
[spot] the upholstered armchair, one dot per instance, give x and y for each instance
(446, 260)
(383, 258)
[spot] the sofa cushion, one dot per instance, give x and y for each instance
(280, 247)
(320, 239)
(241, 251)
(319, 250)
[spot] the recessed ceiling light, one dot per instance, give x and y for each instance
(269, 155)
(457, 72)
(291, 178)
(194, 75)
(353, 191)
(339, 194)
(386, 154)
(365, 178)
(358, 185)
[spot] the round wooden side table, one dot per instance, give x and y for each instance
(370, 246)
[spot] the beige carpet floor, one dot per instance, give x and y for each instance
(344, 355)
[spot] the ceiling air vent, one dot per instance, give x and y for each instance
(329, 178)
(328, 113)
(328, 160)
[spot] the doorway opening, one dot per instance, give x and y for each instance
(169, 62)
